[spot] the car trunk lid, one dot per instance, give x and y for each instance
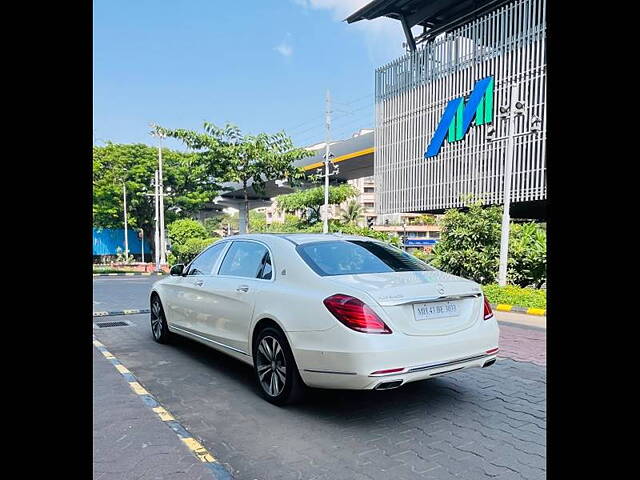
(421, 302)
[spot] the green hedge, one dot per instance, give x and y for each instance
(514, 295)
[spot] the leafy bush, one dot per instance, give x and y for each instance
(187, 251)
(188, 238)
(470, 247)
(514, 295)
(422, 255)
(527, 255)
(181, 230)
(470, 243)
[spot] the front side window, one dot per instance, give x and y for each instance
(246, 259)
(352, 257)
(204, 263)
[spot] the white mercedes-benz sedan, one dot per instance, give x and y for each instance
(325, 310)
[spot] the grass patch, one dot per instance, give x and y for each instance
(514, 295)
(113, 270)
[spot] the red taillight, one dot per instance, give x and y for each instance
(488, 313)
(355, 314)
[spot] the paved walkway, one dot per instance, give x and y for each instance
(129, 442)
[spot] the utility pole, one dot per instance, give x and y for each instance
(506, 218)
(325, 225)
(163, 244)
(157, 219)
(126, 227)
(142, 243)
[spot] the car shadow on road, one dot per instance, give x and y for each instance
(433, 394)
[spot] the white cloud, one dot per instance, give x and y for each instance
(383, 36)
(285, 48)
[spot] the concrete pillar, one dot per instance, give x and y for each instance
(242, 219)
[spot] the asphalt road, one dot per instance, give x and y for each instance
(480, 423)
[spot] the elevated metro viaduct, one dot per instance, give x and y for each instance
(355, 157)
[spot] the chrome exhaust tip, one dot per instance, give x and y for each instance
(389, 385)
(489, 363)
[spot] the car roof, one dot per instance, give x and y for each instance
(301, 238)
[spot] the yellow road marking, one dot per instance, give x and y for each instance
(536, 311)
(122, 369)
(147, 273)
(163, 414)
(139, 389)
(198, 449)
(97, 343)
(129, 311)
(107, 355)
(341, 158)
(504, 308)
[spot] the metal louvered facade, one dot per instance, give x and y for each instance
(411, 95)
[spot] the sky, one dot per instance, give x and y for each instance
(263, 65)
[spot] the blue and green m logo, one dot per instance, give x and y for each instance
(457, 116)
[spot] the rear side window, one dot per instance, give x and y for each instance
(352, 257)
(246, 259)
(203, 264)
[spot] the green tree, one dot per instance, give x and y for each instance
(188, 185)
(250, 160)
(352, 213)
(310, 200)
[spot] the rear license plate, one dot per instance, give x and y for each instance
(428, 311)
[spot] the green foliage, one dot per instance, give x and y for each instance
(423, 220)
(470, 247)
(186, 180)
(422, 255)
(527, 264)
(188, 238)
(187, 251)
(514, 295)
(352, 213)
(251, 160)
(182, 230)
(310, 200)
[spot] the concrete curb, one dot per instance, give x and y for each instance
(121, 312)
(502, 307)
(131, 274)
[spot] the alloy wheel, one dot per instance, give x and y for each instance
(271, 366)
(156, 318)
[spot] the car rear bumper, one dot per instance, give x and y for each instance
(350, 360)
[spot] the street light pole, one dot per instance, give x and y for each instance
(506, 218)
(126, 227)
(163, 245)
(156, 239)
(325, 224)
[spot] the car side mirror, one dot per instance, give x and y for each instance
(177, 270)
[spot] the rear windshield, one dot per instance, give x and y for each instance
(351, 257)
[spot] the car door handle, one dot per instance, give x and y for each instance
(198, 283)
(242, 288)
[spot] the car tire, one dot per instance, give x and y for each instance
(159, 329)
(266, 365)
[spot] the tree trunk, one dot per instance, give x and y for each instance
(246, 206)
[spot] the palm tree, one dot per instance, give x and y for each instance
(352, 212)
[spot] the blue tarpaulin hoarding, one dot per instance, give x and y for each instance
(107, 240)
(420, 242)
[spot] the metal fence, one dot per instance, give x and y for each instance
(412, 92)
